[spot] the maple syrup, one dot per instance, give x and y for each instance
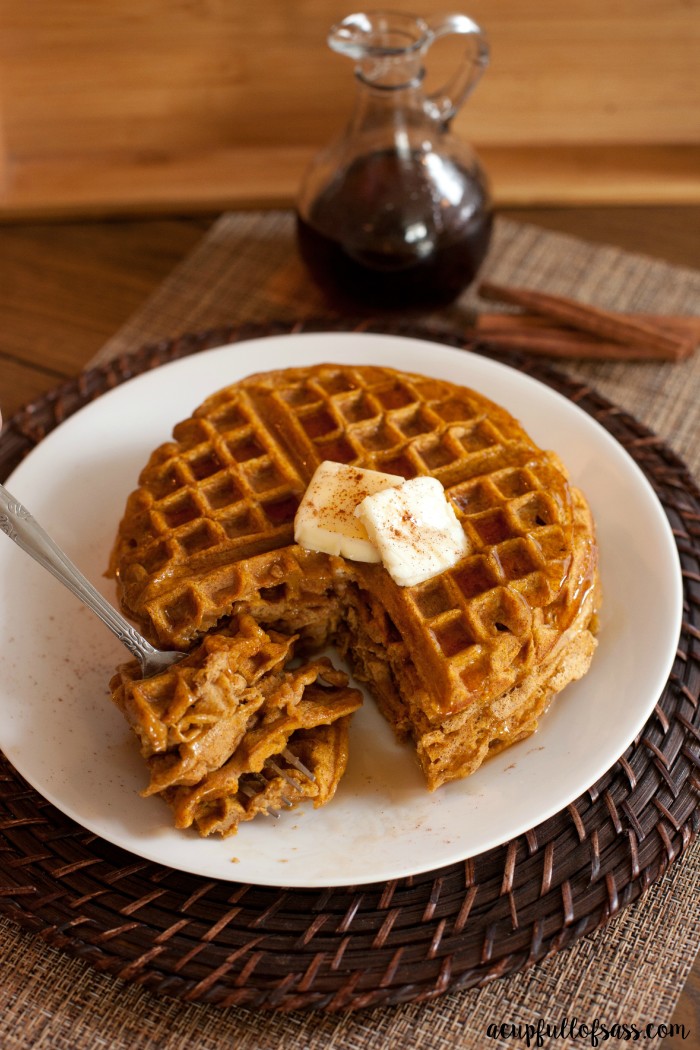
(395, 211)
(397, 232)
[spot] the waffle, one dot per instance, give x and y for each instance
(462, 664)
(228, 733)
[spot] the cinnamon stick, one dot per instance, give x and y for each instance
(605, 325)
(686, 327)
(566, 343)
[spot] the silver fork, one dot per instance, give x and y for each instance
(17, 523)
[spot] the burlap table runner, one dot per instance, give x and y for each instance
(246, 270)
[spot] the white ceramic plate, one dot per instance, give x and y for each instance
(61, 732)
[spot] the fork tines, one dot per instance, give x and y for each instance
(290, 757)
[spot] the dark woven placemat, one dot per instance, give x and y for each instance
(410, 939)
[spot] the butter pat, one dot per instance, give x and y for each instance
(325, 520)
(415, 530)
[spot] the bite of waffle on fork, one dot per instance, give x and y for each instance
(229, 732)
(462, 664)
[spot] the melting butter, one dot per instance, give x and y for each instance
(415, 530)
(365, 515)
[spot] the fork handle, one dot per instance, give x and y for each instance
(17, 523)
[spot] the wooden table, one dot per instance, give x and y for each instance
(65, 288)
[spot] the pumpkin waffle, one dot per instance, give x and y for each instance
(228, 733)
(463, 663)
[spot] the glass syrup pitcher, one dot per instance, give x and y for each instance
(396, 212)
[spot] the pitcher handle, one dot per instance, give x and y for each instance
(444, 103)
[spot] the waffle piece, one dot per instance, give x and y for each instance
(209, 533)
(210, 725)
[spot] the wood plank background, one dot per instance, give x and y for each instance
(154, 104)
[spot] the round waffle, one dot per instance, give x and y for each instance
(464, 663)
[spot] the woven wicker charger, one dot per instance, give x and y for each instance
(407, 940)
